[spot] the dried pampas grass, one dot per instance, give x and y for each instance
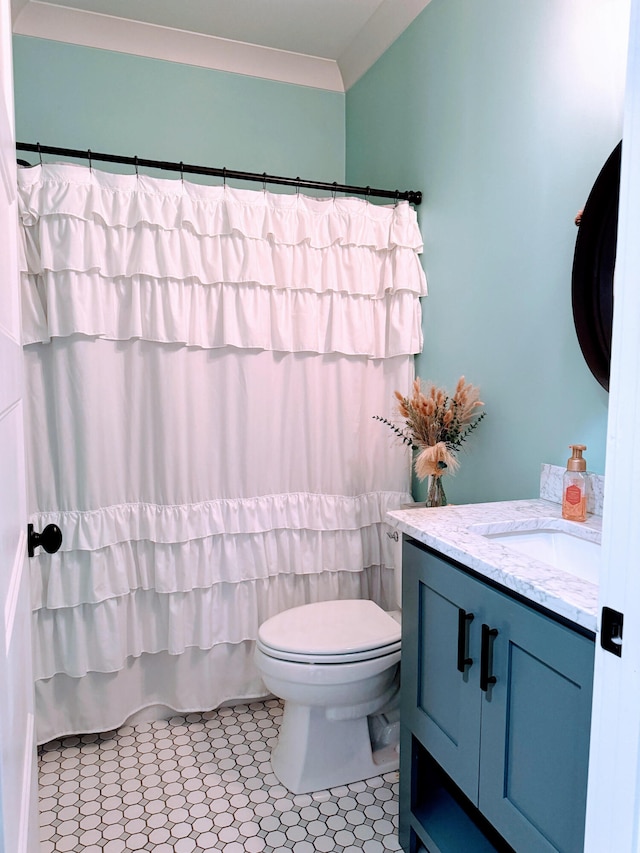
(436, 424)
(434, 460)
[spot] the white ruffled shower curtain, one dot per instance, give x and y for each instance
(203, 365)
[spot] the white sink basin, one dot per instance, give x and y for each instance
(558, 548)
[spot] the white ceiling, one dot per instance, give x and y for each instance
(327, 44)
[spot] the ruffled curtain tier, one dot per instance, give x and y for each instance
(72, 640)
(203, 367)
(74, 578)
(159, 684)
(219, 315)
(126, 201)
(121, 257)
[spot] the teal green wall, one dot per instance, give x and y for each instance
(79, 97)
(502, 112)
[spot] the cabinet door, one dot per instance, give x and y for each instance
(440, 704)
(535, 730)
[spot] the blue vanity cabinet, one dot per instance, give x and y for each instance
(496, 709)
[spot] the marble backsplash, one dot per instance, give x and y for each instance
(551, 487)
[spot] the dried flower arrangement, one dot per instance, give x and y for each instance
(436, 426)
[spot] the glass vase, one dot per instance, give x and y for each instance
(435, 492)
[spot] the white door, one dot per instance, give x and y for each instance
(613, 800)
(18, 776)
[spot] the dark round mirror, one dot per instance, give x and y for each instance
(593, 264)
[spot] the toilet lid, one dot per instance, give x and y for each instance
(330, 628)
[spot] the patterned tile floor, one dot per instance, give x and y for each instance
(198, 783)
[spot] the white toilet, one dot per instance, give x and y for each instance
(336, 666)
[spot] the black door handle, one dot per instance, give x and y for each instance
(464, 620)
(50, 539)
(611, 631)
(486, 658)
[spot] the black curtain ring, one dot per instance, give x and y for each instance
(397, 196)
(136, 162)
(224, 176)
(39, 152)
(89, 158)
(368, 192)
(182, 171)
(335, 189)
(264, 182)
(298, 185)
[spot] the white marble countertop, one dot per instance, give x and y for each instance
(456, 532)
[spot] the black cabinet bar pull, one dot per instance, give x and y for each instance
(486, 658)
(464, 620)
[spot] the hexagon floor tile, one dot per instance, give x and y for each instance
(199, 783)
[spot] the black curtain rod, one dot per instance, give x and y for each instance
(412, 196)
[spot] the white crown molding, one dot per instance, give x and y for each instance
(91, 29)
(388, 22)
(16, 8)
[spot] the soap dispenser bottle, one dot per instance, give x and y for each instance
(574, 486)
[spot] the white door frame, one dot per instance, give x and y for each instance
(18, 771)
(613, 800)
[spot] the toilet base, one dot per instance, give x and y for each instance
(334, 751)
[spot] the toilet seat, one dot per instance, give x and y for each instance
(330, 632)
(337, 659)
